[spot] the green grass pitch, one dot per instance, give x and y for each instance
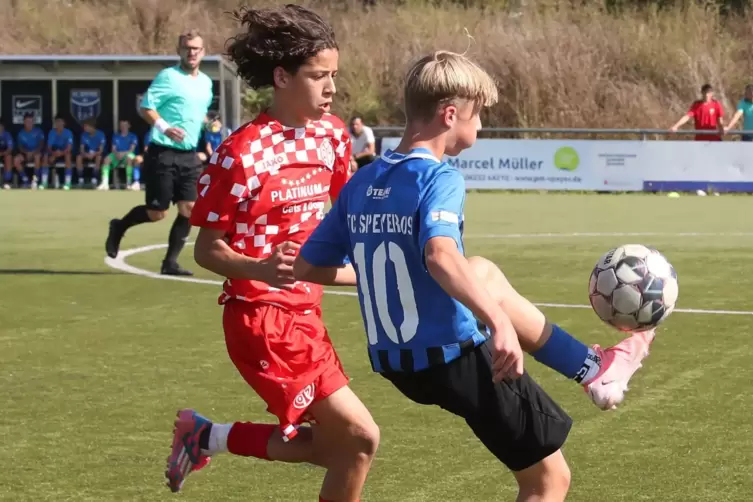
(94, 362)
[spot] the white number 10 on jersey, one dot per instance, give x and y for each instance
(386, 251)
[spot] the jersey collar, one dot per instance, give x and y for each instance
(392, 157)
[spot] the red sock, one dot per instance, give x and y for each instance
(250, 440)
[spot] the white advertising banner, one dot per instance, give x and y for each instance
(530, 164)
(725, 166)
(547, 164)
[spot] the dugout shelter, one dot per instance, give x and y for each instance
(106, 88)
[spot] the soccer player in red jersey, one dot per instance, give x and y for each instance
(261, 196)
(708, 115)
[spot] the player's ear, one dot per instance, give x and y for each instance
(281, 77)
(449, 115)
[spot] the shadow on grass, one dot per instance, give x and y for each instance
(44, 271)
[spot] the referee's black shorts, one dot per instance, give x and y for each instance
(516, 420)
(170, 175)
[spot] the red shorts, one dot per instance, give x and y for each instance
(285, 356)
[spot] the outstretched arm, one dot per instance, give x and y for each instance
(343, 275)
(323, 258)
(680, 123)
(440, 215)
(450, 269)
(735, 118)
(213, 253)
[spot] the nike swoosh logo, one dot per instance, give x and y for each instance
(24, 104)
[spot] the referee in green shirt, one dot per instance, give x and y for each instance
(175, 106)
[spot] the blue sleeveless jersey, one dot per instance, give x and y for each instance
(381, 222)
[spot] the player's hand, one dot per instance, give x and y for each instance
(507, 356)
(176, 134)
(278, 267)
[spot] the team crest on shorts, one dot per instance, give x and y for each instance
(327, 153)
(304, 398)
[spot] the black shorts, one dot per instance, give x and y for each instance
(170, 176)
(515, 419)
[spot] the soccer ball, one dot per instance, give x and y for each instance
(633, 288)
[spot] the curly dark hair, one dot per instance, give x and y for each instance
(286, 37)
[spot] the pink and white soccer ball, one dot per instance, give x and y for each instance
(633, 288)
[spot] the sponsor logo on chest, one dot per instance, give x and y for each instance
(298, 192)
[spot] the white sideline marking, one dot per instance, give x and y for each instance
(119, 263)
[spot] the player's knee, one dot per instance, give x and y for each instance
(185, 208)
(156, 214)
(360, 442)
(548, 480)
(366, 436)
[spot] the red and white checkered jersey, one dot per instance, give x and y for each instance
(267, 184)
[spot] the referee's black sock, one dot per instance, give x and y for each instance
(178, 235)
(135, 216)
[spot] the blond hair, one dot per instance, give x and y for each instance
(443, 78)
(188, 35)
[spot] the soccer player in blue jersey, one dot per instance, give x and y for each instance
(92, 145)
(214, 133)
(124, 144)
(443, 329)
(6, 153)
(59, 146)
(30, 143)
(138, 161)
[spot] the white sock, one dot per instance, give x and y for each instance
(218, 438)
(591, 367)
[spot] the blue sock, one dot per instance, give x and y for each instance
(68, 175)
(568, 356)
(8, 176)
(45, 175)
(136, 173)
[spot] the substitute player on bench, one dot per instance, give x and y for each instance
(59, 147)
(124, 144)
(400, 222)
(91, 147)
(268, 184)
(175, 105)
(6, 154)
(30, 144)
(214, 132)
